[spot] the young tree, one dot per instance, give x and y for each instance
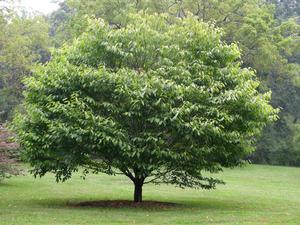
(8, 150)
(8, 165)
(161, 100)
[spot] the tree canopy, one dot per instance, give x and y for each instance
(267, 32)
(161, 100)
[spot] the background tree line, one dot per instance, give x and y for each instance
(267, 32)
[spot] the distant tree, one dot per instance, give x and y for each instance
(161, 100)
(286, 9)
(61, 29)
(23, 42)
(8, 152)
(8, 166)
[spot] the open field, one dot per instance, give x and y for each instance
(252, 195)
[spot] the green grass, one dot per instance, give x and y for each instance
(252, 195)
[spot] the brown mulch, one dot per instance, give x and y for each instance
(124, 204)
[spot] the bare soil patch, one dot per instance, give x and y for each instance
(125, 204)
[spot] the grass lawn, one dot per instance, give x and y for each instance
(252, 195)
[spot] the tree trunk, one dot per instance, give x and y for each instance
(138, 188)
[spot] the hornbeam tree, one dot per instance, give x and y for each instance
(161, 100)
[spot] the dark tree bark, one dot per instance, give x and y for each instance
(138, 190)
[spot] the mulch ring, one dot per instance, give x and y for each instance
(125, 204)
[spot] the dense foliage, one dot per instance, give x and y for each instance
(162, 98)
(23, 41)
(267, 32)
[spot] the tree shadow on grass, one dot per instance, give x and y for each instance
(101, 204)
(200, 204)
(218, 204)
(6, 184)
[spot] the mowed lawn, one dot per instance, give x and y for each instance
(253, 195)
